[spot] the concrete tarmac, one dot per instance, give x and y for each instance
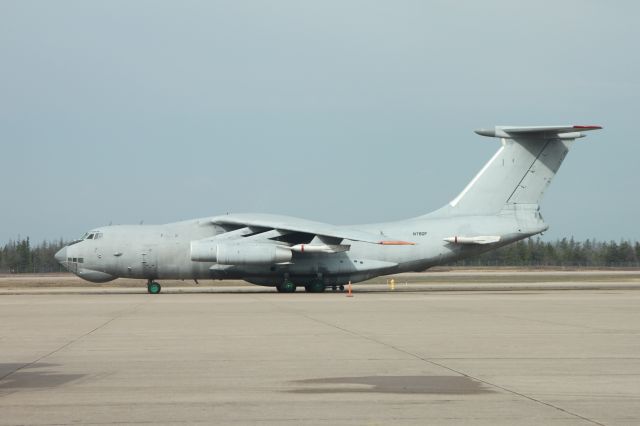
(533, 357)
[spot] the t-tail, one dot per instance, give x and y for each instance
(516, 177)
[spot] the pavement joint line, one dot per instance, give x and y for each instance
(118, 314)
(542, 321)
(604, 330)
(430, 361)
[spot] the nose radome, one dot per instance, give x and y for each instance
(61, 255)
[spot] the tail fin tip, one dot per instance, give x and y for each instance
(548, 131)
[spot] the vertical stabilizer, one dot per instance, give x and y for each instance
(520, 171)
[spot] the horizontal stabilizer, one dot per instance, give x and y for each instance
(484, 239)
(569, 132)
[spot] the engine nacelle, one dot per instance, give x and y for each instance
(239, 253)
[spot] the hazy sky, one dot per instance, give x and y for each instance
(338, 111)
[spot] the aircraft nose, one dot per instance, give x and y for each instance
(61, 255)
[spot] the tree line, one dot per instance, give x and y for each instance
(533, 252)
(21, 256)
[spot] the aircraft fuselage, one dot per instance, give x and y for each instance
(164, 251)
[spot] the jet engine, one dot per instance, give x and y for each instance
(239, 253)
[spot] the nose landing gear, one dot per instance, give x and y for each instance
(153, 287)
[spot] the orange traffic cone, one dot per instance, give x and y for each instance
(349, 294)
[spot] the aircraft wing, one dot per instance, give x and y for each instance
(249, 239)
(296, 225)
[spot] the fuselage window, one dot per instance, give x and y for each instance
(81, 260)
(75, 259)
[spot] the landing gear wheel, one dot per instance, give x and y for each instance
(286, 287)
(153, 287)
(315, 287)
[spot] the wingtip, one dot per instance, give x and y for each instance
(588, 127)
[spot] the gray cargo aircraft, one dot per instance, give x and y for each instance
(499, 206)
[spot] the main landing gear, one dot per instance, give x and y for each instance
(316, 286)
(153, 287)
(286, 287)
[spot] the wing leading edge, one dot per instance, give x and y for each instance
(292, 224)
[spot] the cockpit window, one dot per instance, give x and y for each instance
(87, 236)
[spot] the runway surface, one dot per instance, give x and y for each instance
(536, 356)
